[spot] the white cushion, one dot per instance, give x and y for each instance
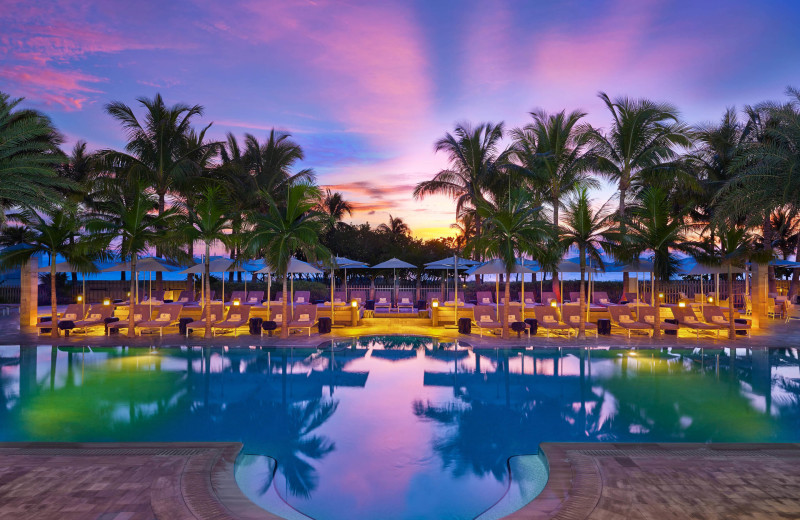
(213, 317)
(625, 319)
(718, 319)
(486, 318)
(603, 300)
(337, 300)
(95, 317)
(303, 317)
(164, 316)
(487, 300)
(529, 300)
(235, 317)
(512, 318)
(650, 319)
(381, 300)
(690, 319)
(405, 300)
(574, 319)
(548, 318)
(301, 299)
(183, 300)
(252, 300)
(71, 317)
(137, 317)
(278, 318)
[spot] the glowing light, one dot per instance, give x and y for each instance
(354, 304)
(235, 303)
(435, 303)
(80, 298)
(661, 295)
(710, 299)
(106, 301)
(553, 303)
(682, 304)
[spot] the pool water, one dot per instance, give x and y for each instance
(396, 427)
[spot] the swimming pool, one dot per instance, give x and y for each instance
(396, 427)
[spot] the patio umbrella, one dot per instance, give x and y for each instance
(640, 265)
(66, 267)
(497, 267)
(219, 264)
(394, 264)
(452, 263)
(295, 267)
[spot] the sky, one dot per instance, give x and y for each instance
(366, 88)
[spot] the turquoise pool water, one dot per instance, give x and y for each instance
(396, 427)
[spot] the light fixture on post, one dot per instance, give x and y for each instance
(106, 301)
(710, 299)
(80, 298)
(435, 313)
(681, 304)
(236, 303)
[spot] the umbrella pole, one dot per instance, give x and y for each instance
(716, 291)
(292, 294)
(522, 298)
(497, 297)
(333, 282)
(269, 294)
(637, 295)
(702, 294)
(83, 298)
(455, 283)
(150, 293)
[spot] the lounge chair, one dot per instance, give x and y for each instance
(185, 298)
(305, 317)
(199, 301)
(155, 298)
(530, 300)
(302, 297)
(276, 315)
(622, 317)
(74, 312)
(647, 315)
(254, 298)
(572, 317)
(383, 301)
(714, 314)
(547, 297)
(241, 296)
(484, 298)
(217, 313)
(547, 318)
(238, 315)
(687, 318)
(167, 315)
(502, 301)
(405, 302)
(485, 318)
(601, 298)
(141, 313)
(359, 296)
(513, 317)
(96, 317)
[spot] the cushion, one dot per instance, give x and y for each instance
(137, 317)
(235, 317)
(512, 318)
(184, 299)
(650, 319)
(252, 300)
(625, 319)
(529, 300)
(381, 300)
(604, 300)
(303, 317)
(486, 300)
(278, 318)
(486, 318)
(337, 300)
(574, 319)
(690, 319)
(71, 317)
(301, 299)
(95, 317)
(548, 318)
(164, 316)
(405, 300)
(213, 317)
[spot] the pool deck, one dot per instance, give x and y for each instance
(587, 481)
(774, 333)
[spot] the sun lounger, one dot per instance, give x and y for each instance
(383, 301)
(601, 298)
(199, 302)
(548, 319)
(687, 318)
(302, 297)
(154, 298)
(647, 315)
(238, 316)
(513, 317)
(713, 314)
(622, 317)
(254, 298)
(74, 312)
(305, 317)
(141, 313)
(572, 317)
(95, 318)
(339, 298)
(167, 315)
(484, 298)
(217, 311)
(185, 298)
(547, 297)
(238, 295)
(405, 302)
(359, 296)
(530, 300)
(485, 318)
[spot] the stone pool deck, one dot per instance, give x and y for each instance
(774, 333)
(587, 481)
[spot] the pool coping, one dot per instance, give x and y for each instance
(207, 489)
(574, 485)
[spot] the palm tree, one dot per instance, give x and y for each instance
(29, 156)
(590, 230)
(335, 207)
(652, 225)
(272, 162)
(556, 155)
(55, 237)
(395, 228)
(129, 220)
(513, 228)
(157, 151)
(207, 222)
(475, 165)
(286, 229)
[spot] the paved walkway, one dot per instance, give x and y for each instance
(587, 481)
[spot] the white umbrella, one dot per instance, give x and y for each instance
(394, 264)
(496, 267)
(295, 267)
(452, 263)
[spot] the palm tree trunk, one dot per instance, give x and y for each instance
(284, 310)
(506, 305)
(795, 274)
(767, 232)
(132, 299)
(623, 190)
(731, 323)
(190, 277)
(657, 320)
(582, 326)
(556, 288)
(53, 299)
(207, 291)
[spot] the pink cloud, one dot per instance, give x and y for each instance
(64, 88)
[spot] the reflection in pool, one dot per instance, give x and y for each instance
(395, 427)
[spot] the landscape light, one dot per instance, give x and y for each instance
(354, 304)
(553, 303)
(106, 301)
(435, 303)
(681, 304)
(661, 295)
(235, 303)
(710, 299)
(80, 298)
